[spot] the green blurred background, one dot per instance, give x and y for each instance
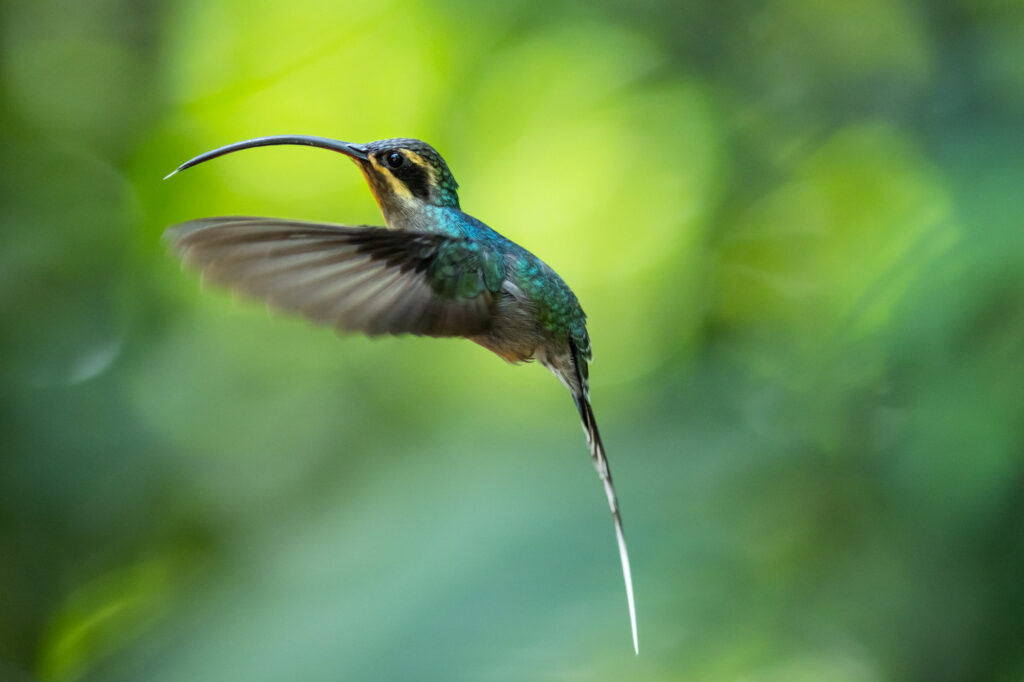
(796, 227)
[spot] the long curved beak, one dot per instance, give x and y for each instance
(355, 151)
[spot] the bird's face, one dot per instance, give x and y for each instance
(406, 176)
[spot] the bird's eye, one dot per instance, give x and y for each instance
(395, 160)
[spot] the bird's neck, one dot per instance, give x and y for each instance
(418, 216)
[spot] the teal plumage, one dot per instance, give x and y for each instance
(556, 306)
(433, 270)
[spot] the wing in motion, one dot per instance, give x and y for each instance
(365, 279)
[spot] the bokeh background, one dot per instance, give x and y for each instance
(796, 227)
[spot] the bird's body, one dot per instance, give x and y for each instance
(434, 271)
(536, 313)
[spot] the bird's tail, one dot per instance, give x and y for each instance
(601, 464)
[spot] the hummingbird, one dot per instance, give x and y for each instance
(432, 271)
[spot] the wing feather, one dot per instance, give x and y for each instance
(365, 279)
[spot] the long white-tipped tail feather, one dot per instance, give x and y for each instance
(601, 463)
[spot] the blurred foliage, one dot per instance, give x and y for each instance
(796, 227)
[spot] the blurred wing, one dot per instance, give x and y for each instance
(365, 279)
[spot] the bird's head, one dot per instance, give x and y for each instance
(406, 176)
(404, 170)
